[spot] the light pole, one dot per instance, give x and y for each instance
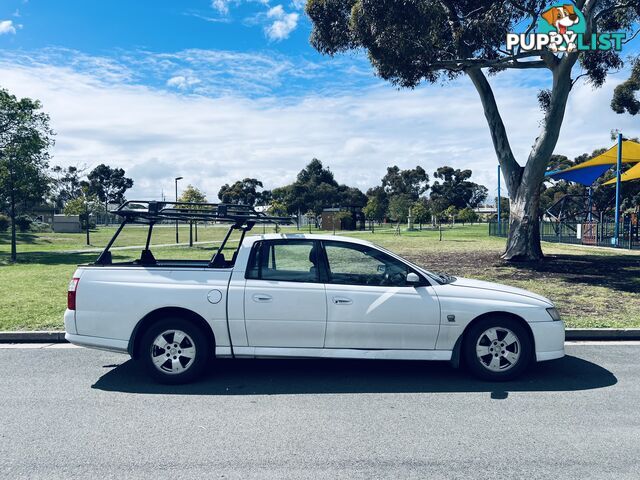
(86, 213)
(176, 181)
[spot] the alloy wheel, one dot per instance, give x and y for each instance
(173, 352)
(498, 349)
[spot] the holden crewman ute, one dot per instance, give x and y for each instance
(297, 295)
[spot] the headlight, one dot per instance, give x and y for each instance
(553, 313)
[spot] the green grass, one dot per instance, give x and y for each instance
(99, 237)
(592, 287)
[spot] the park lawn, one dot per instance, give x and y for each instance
(99, 237)
(592, 287)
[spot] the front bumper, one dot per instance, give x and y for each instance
(549, 339)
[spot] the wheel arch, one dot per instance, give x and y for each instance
(165, 312)
(456, 355)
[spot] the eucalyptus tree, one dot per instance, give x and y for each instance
(413, 41)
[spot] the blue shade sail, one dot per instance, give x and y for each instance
(585, 176)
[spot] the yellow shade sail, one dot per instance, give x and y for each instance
(630, 154)
(632, 174)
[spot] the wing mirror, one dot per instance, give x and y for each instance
(413, 279)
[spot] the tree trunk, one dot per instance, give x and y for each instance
(524, 183)
(14, 253)
(523, 243)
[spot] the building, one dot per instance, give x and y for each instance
(353, 221)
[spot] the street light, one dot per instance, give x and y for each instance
(176, 180)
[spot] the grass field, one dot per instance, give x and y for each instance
(592, 287)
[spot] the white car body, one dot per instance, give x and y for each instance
(267, 318)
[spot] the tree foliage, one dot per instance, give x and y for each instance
(108, 184)
(244, 192)
(412, 182)
(66, 184)
(454, 186)
(625, 95)
(315, 189)
(399, 207)
(192, 195)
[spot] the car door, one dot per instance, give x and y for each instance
(371, 305)
(284, 298)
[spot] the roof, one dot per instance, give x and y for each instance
(306, 236)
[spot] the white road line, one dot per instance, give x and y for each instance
(68, 345)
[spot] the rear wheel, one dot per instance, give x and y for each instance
(498, 349)
(174, 350)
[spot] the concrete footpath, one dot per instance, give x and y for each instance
(577, 334)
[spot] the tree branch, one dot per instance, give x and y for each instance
(511, 169)
(510, 61)
(613, 8)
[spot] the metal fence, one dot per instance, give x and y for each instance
(600, 234)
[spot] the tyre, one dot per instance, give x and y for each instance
(174, 351)
(497, 349)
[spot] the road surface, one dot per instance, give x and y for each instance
(67, 412)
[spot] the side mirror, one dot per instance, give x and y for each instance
(413, 279)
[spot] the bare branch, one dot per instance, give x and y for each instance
(631, 38)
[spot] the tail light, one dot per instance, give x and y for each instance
(71, 293)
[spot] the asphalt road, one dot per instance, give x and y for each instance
(76, 413)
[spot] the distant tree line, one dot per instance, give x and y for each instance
(452, 195)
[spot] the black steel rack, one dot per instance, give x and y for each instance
(149, 212)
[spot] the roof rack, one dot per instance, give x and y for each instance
(149, 211)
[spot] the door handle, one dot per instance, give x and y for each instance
(342, 301)
(262, 297)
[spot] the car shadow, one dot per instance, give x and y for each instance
(295, 376)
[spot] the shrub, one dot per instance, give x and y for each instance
(23, 223)
(40, 227)
(4, 223)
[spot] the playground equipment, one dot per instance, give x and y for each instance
(581, 206)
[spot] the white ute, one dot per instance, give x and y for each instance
(299, 295)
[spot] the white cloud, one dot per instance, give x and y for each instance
(282, 25)
(155, 134)
(222, 6)
(7, 27)
(182, 82)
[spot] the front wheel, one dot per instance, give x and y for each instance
(498, 349)
(174, 351)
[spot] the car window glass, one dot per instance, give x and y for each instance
(291, 261)
(362, 265)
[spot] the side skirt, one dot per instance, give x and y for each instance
(272, 352)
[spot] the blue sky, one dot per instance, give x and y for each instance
(219, 90)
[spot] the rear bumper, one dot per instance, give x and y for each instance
(109, 344)
(549, 339)
(70, 321)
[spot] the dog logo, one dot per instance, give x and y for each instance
(562, 29)
(567, 21)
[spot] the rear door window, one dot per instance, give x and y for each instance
(289, 261)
